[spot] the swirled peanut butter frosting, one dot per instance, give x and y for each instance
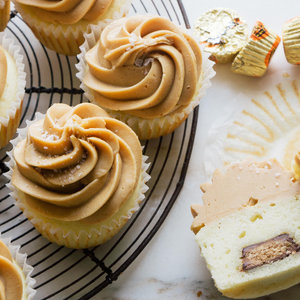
(77, 164)
(67, 11)
(11, 281)
(145, 66)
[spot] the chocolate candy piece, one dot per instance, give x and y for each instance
(268, 251)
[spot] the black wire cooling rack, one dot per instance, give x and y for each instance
(63, 273)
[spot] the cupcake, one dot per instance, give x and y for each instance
(60, 25)
(4, 13)
(145, 71)
(78, 174)
(12, 84)
(223, 34)
(254, 58)
(291, 40)
(15, 280)
(248, 229)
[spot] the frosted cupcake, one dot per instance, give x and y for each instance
(12, 84)
(60, 25)
(4, 13)
(78, 175)
(15, 280)
(145, 71)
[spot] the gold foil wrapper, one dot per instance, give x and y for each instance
(254, 58)
(4, 13)
(222, 33)
(291, 40)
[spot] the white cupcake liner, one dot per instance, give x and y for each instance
(20, 259)
(142, 127)
(12, 119)
(262, 129)
(66, 39)
(72, 237)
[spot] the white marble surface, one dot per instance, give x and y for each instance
(171, 266)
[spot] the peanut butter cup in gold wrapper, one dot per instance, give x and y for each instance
(291, 40)
(222, 32)
(4, 13)
(254, 58)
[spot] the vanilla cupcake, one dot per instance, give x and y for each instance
(78, 174)
(248, 229)
(15, 280)
(4, 13)
(60, 25)
(145, 71)
(12, 84)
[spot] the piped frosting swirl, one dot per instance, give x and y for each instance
(67, 11)
(11, 282)
(77, 164)
(145, 66)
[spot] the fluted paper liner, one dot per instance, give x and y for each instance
(147, 129)
(77, 237)
(10, 123)
(66, 39)
(267, 127)
(20, 259)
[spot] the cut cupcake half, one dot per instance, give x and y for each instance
(248, 229)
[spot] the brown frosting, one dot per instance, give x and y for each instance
(67, 11)
(3, 71)
(242, 184)
(144, 65)
(77, 164)
(11, 283)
